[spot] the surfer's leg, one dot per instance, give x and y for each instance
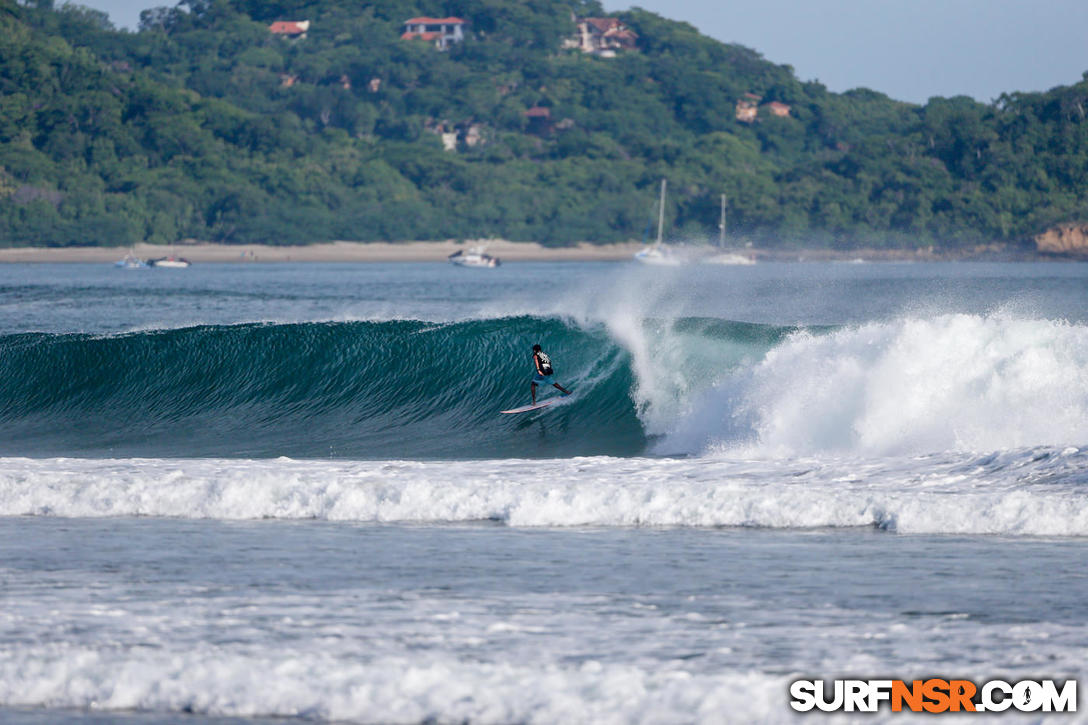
(565, 391)
(532, 389)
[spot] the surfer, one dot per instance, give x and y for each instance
(543, 373)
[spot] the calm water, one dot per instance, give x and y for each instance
(234, 493)
(99, 298)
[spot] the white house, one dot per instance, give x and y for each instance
(602, 36)
(440, 31)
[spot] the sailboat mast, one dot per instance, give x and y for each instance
(661, 214)
(721, 225)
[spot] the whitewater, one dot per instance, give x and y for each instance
(241, 492)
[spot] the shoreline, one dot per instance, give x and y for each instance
(325, 252)
(506, 251)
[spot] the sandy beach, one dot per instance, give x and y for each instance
(329, 252)
(506, 251)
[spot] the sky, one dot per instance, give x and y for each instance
(909, 49)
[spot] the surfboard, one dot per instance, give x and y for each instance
(527, 408)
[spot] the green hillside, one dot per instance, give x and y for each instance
(204, 124)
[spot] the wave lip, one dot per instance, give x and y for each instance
(1036, 492)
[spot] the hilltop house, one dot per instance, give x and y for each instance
(748, 108)
(602, 36)
(440, 31)
(290, 28)
(778, 109)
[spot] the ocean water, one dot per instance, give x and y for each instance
(258, 493)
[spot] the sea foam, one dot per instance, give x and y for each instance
(313, 686)
(1023, 492)
(905, 387)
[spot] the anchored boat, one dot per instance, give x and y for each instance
(474, 257)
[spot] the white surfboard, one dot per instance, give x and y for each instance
(527, 408)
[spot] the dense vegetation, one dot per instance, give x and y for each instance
(204, 125)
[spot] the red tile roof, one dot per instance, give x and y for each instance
(434, 21)
(286, 27)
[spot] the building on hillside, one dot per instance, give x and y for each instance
(456, 136)
(778, 109)
(472, 135)
(441, 31)
(540, 120)
(290, 28)
(602, 36)
(445, 131)
(747, 110)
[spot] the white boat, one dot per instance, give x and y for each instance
(131, 261)
(474, 257)
(170, 262)
(659, 253)
(724, 257)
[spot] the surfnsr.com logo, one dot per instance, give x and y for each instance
(933, 695)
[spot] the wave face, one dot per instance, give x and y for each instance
(410, 389)
(359, 389)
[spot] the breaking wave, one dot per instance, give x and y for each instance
(411, 389)
(1036, 491)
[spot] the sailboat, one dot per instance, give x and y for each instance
(724, 257)
(131, 261)
(658, 253)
